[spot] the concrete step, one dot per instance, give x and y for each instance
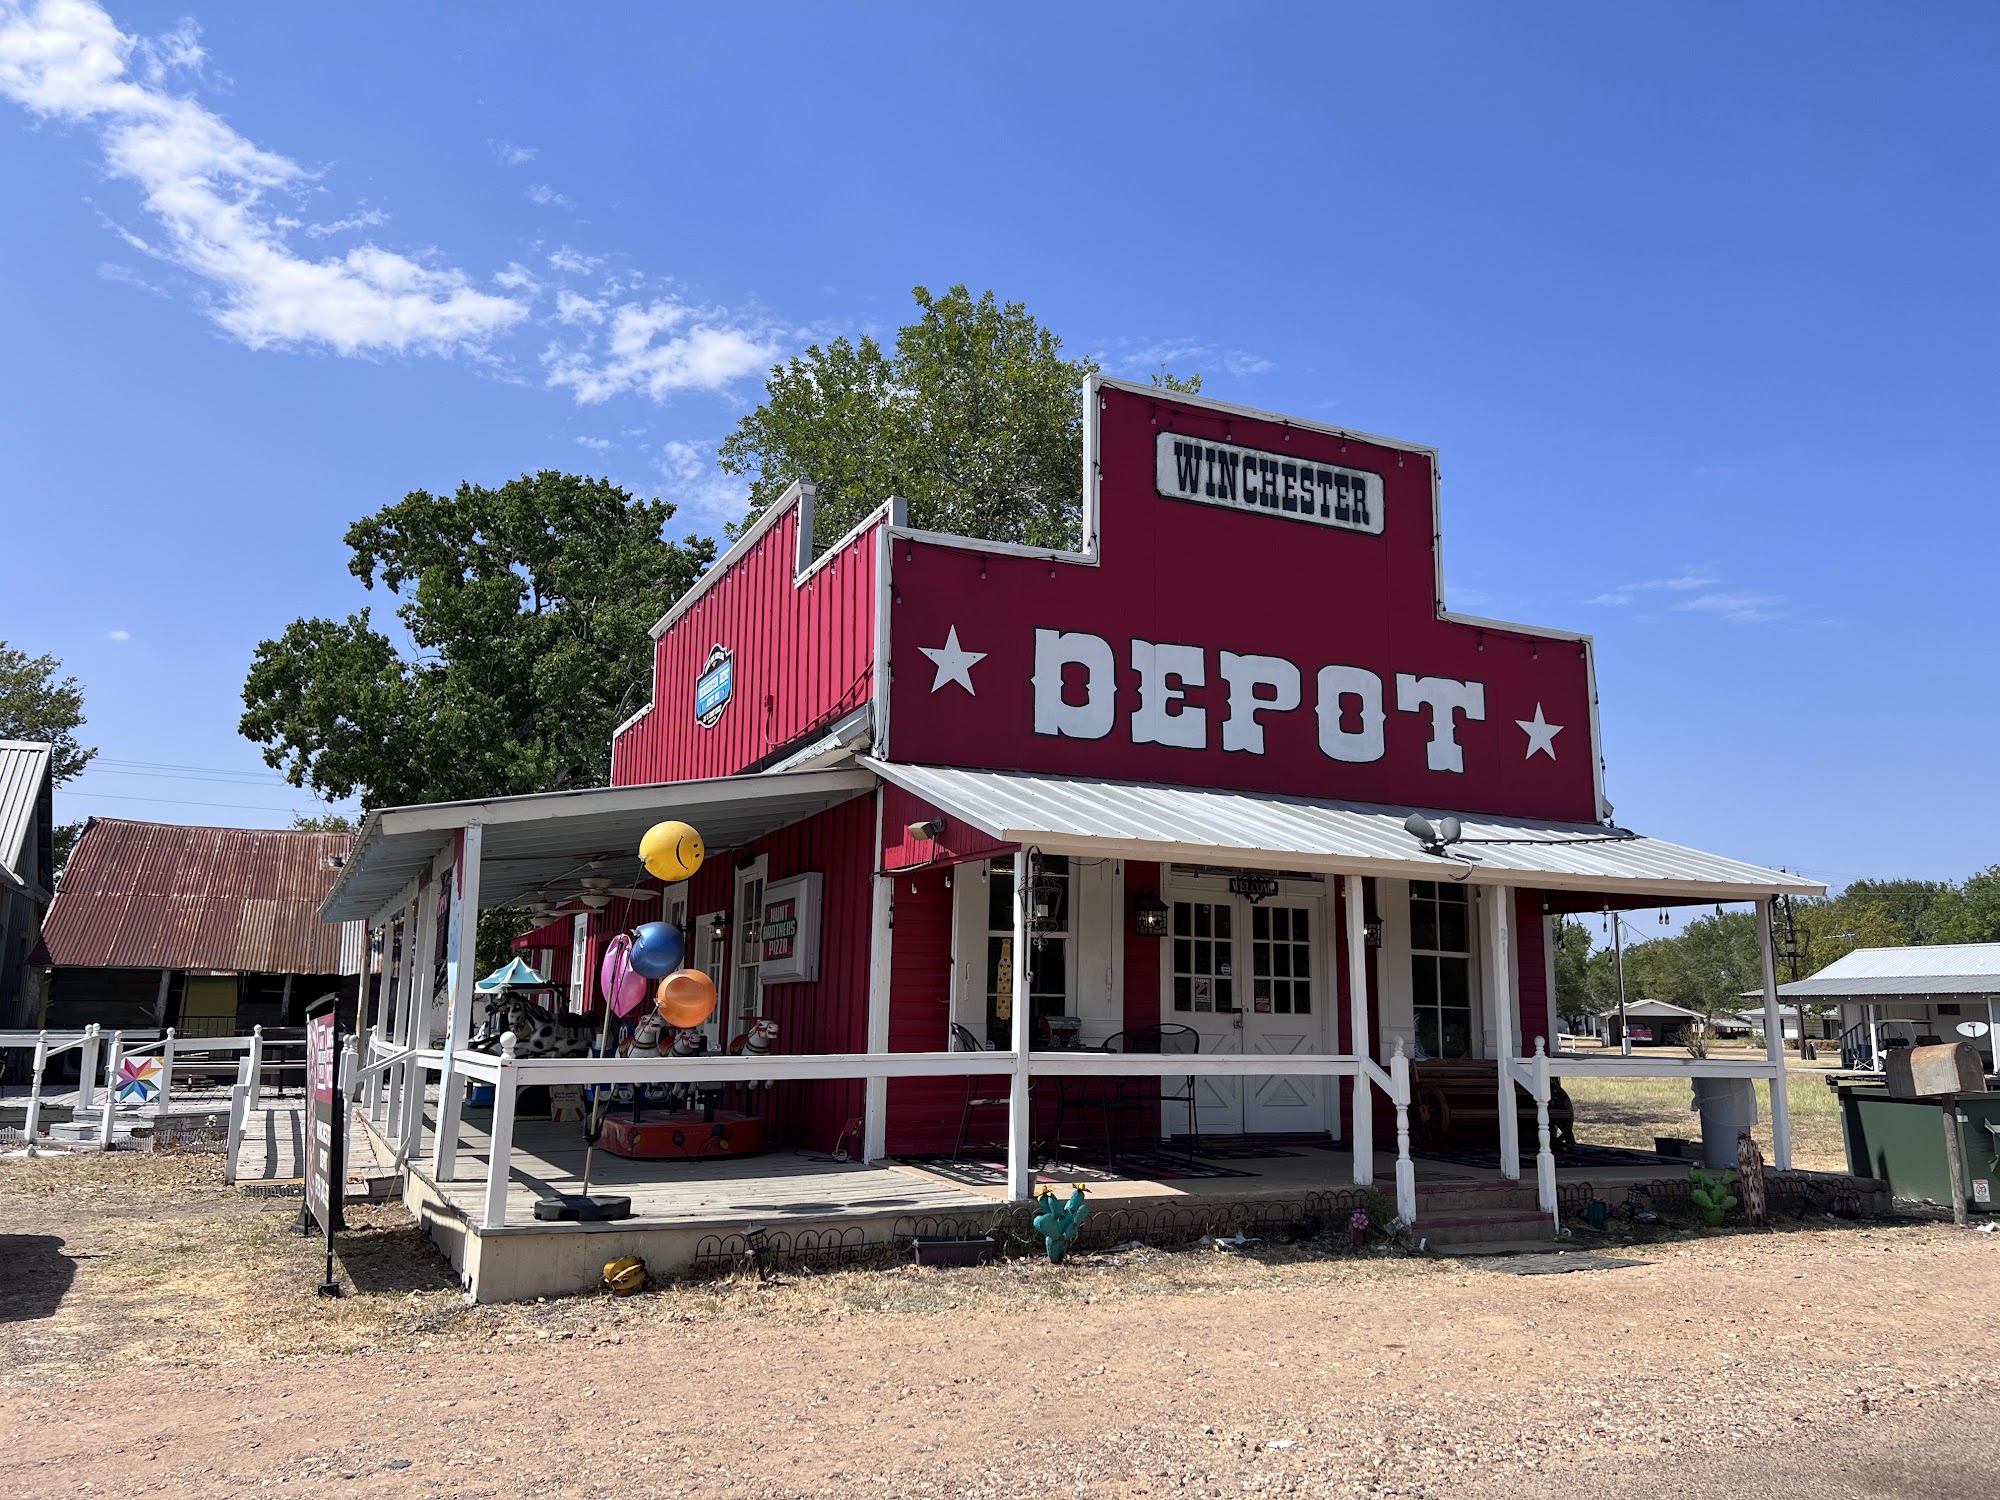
(1480, 1227)
(1464, 1197)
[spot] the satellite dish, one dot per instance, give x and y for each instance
(1973, 1028)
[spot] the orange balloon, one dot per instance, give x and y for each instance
(686, 998)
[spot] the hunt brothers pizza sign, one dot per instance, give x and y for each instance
(1259, 609)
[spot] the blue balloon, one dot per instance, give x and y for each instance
(656, 950)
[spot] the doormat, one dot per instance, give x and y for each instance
(971, 1171)
(1232, 1151)
(1157, 1166)
(1580, 1156)
(1550, 1262)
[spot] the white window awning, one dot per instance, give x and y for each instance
(1194, 825)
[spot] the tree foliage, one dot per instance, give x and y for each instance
(35, 704)
(525, 612)
(975, 419)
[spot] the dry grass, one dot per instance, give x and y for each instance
(1632, 1111)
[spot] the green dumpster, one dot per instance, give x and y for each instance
(1901, 1141)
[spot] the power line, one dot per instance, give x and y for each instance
(175, 801)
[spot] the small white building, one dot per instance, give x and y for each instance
(1908, 997)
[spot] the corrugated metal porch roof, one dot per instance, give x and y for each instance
(530, 841)
(1933, 969)
(1142, 820)
(24, 768)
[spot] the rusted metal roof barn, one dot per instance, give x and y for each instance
(204, 929)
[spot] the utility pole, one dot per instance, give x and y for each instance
(1618, 962)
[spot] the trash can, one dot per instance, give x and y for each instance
(1728, 1107)
(1901, 1142)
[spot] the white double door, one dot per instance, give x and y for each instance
(1251, 978)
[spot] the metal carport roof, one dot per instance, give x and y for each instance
(1193, 825)
(532, 840)
(1933, 969)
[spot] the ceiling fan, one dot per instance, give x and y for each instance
(593, 893)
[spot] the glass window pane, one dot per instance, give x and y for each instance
(1427, 1033)
(1260, 995)
(1260, 959)
(1423, 981)
(1427, 890)
(1281, 959)
(1281, 923)
(1299, 934)
(1222, 963)
(1201, 918)
(1301, 998)
(1224, 990)
(1183, 993)
(1048, 967)
(1222, 921)
(1183, 955)
(1423, 925)
(1183, 919)
(1283, 997)
(1457, 1035)
(1455, 982)
(1204, 957)
(1260, 921)
(1000, 895)
(1301, 961)
(1452, 927)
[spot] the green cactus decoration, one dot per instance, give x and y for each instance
(1711, 1196)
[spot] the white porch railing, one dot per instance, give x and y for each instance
(508, 1074)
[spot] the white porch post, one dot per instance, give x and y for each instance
(255, 1078)
(1406, 1170)
(110, 1108)
(418, 1031)
(1500, 950)
(1361, 1133)
(875, 1114)
(86, 1078)
(166, 1073)
(391, 1096)
(1875, 1036)
(461, 966)
(1774, 1042)
(1545, 1157)
(1993, 1034)
(34, 1121)
(1020, 1122)
(500, 1158)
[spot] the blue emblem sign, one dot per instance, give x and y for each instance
(713, 688)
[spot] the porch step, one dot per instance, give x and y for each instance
(1445, 1198)
(1448, 1231)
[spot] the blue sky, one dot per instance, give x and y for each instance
(1698, 304)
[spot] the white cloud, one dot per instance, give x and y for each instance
(206, 185)
(542, 193)
(119, 635)
(571, 308)
(660, 349)
(700, 492)
(1738, 608)
(1134, 359)
(574, 262)
(595, 444)
(512, 155)
(1692, 578)
(517, 278)
(366, 219)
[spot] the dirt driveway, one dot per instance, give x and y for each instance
(169, 1343)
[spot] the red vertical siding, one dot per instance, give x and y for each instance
(830, 1014)
(1532, 972)
(923, 1112)
(804, 655)
(959, 843)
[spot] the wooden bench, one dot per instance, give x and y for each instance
(1455, 1105)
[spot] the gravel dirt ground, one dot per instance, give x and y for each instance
(158, 1334)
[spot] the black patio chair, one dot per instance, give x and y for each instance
(1130, 1095)
(962, 1040)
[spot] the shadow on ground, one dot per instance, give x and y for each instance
(35, 1276)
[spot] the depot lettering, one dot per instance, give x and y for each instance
(1176, 700)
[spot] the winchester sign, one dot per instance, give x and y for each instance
(1272, 484)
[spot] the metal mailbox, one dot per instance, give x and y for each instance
(1930, 1072)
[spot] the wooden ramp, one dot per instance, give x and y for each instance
(273, 1150)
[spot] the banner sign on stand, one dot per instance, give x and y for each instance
(326, 1113)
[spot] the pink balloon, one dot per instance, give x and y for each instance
(623, 988)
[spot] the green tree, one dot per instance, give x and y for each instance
(1574, 996)
(37, 705)
(1972, 913)
(525, 610)
(1167, 380)
(976, 420)
(322, 823)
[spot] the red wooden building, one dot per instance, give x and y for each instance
(1205, 731)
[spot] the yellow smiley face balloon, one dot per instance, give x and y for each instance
(671, 851)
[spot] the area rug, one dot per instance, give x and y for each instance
(972, 1171)
(1157, 1166)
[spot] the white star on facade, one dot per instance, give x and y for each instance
(953, 662)
(1541, 734)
